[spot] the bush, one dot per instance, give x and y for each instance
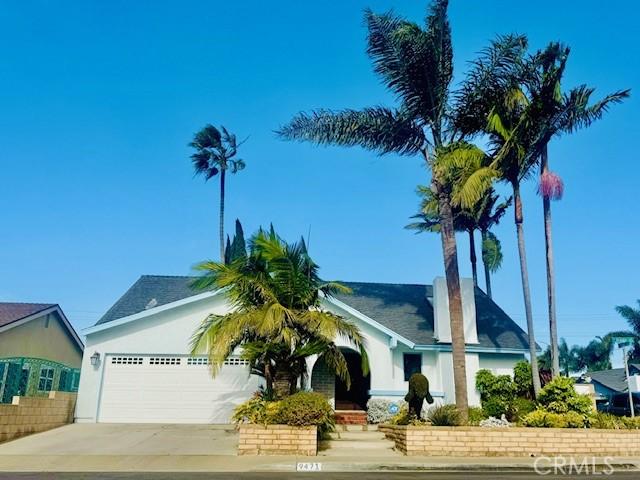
(544, 419)
(560, 396)
(495, 407)
(606, 420)
(631, 423)
(304, 409)
(475, 415)
(520, 407)
(378, 409)
(522, 378)
(445, 416)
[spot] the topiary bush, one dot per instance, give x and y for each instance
(378, 409)
(305, 409)
(445, 416)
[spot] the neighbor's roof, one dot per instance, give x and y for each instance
(615, 378)
(404, 309)
(12, 312)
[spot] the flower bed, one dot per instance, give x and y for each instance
(277, 440)
(511, 442)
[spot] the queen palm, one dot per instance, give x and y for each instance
(416, 64)
(552, 113)
(276, 318)
(215, 154)
(487, 214)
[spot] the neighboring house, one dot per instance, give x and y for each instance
(39, 351)
(608, 383)
(137, 366)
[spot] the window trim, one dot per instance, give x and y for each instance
(48, 380)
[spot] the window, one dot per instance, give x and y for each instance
(164, 361)
(412, 364)
(46, 379)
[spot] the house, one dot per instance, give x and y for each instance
(608, 383)
(39, 350)
(137, 368)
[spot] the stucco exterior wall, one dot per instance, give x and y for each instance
(167, 332)
(39, 339)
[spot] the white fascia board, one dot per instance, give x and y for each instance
(147, 313)
(369, 321)
(42, 313)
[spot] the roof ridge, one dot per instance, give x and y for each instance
(167, 276)
(388, 283)
(28, 303)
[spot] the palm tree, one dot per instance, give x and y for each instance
(632, 316)
(276, 318)
(499, 110)
(552, 113)
(480, 216)
(416, 64)
(215, 154)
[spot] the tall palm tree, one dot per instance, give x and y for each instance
(215, 154)
(276, 319)
(499, 110)
(552, 113)
(416, 64)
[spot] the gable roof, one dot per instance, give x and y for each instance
(12, 312)
(405, 309)
(615, 378)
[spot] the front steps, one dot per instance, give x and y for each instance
(357, 441)
(350, 417)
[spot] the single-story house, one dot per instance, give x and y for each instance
(608, 383)
(137, 366)
(39, 350)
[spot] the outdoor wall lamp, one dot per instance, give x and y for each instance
(95, 359)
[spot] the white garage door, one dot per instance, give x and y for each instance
(172, 389)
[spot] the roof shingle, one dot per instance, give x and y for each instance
(12, 312)
(404, 309)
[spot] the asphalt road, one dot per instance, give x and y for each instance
(307, 476)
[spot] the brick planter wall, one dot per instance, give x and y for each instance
(512, 441)
(277, 440)
(35, 414)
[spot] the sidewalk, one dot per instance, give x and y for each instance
(229, 463)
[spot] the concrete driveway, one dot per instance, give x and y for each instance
(127, 439)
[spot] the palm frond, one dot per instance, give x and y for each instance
(377, 128)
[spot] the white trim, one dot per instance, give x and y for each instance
(471, 348)
(42, 313)
(146, 313)
(369, 321)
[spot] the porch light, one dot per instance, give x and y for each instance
(95, 359)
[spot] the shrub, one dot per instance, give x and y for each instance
(545, 419)
(445, 416)
(560, 396)
(304, 409)
(631, 423)
(419, 385)
(520, 407)
(475, 415)
(378, 409)
(253, 410)
(606, 420)
(522, 378)
(495, 407)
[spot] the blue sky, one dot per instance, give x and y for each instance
(99, 101)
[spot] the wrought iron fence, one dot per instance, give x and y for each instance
(34, 377)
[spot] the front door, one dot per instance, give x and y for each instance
(357, 396)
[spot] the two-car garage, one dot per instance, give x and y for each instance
(172, 389)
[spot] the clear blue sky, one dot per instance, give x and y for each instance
(99, 100)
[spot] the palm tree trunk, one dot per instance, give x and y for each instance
(282, 383)
(450, 252)
(551, 280)
(487, 273)
(525, 287)
(472, 257)
(222, 175)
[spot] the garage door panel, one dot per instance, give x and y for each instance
(178, 389)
